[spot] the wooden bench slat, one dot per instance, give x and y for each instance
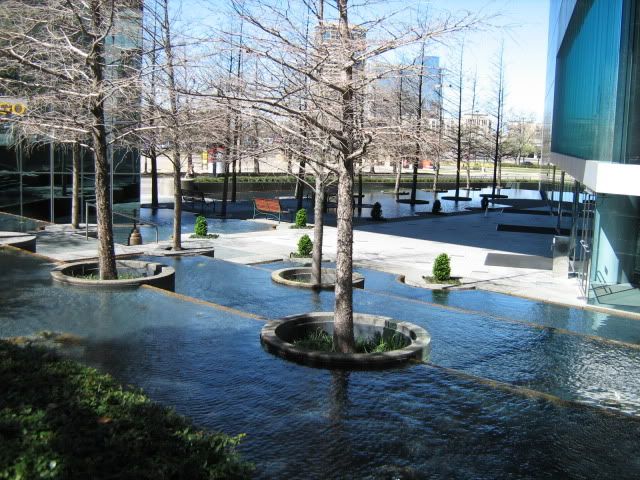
(268, 207)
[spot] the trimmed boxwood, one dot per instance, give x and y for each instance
(60, 419)
(201, 227)
(305, 246)
(442, 268)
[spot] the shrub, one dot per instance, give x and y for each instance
(376, 211)
(301, 218)
(201, 228)
(305, 246)
(442, 268)
(437, 207)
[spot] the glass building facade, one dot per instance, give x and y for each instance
(35, 180)
(36, 175)
(592, 112)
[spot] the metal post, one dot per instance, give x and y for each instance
(86, 220)
(560, 200)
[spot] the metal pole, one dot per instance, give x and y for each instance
(560, 200)
(86, 220)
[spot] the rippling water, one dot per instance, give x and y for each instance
(446, 420)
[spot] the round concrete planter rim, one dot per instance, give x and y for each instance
(60, 274)
(278, 276)
(417, 350)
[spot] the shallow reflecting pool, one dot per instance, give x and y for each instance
(447, 419)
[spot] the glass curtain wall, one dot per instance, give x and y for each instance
(587, 70)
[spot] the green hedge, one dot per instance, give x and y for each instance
(60, 419)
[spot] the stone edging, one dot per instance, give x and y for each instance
(162, 276)
(280, 276)
(274, 334)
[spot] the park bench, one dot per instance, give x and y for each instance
(191, 197)
(269, 207)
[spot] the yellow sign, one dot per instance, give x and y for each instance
(7, 108)
(205, 158)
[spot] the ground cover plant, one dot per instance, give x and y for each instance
(60, 419)
(321, 341)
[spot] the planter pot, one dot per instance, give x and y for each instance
(18, 240)
(149, 273)
(301, 277)
(277, 337)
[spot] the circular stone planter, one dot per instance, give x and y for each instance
(301, 277)
(457, 199)
(18, 240)
(497, 195)
(416, 202)
(277, 337)
(148, 273)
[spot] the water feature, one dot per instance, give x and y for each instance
(163, 217)
(445, 419)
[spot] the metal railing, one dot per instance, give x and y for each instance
(136, 220)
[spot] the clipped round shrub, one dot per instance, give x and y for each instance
(437, 207)
(376, 211)
(201, 228)
(301, 218)
(305, 246)
(484, 203)
(442, 268)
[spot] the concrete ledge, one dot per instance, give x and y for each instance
(18, 240)
(301, 277)
(154, 274)
(276, 338)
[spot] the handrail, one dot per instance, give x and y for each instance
(136, 220)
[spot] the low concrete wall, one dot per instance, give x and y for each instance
(24, 241)
(277, 336)
(154, 274)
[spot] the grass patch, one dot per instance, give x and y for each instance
(451, 281)
(60, 419)
(321, 341)
(208, 235)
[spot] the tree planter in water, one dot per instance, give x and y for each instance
(278, 337)
(301, 277)
(135, 273)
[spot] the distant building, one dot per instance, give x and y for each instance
(590, 132)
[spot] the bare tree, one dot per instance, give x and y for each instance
(75, 78)
(321, 84)
(498, 113)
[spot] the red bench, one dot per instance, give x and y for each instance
(269, 207)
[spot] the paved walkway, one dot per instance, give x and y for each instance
(484, 257)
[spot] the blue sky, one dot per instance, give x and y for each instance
(522, 24)
(525, 35)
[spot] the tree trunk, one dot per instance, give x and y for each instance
(468, 165)
(177, 203)
(300, 184)
(414, 178)
(75, 191)
(225, 189)
(106, 250)
(396, 188)
(318, 229)
(153, 158)
(343, 340)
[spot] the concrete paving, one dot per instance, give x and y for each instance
(508, 262)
